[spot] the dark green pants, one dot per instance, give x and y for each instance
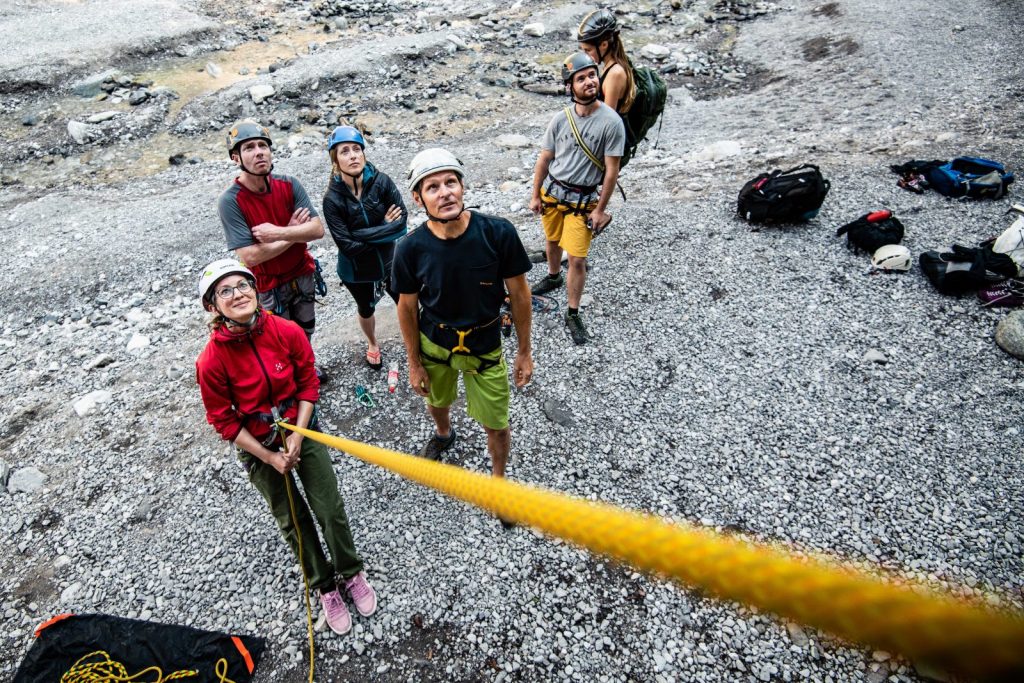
(321, 487)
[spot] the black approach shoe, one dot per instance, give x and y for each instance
(433, 449)
(576, 328)
(547, 284)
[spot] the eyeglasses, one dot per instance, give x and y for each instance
(243, 287)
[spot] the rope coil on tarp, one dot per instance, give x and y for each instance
(887, 612)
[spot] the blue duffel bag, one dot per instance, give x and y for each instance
(970, 177)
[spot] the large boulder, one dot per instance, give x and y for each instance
(1010, 334)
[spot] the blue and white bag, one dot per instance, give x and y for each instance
(970, 177)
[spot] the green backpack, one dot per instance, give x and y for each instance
(649, 103)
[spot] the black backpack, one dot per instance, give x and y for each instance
(791, 196)
(966, 269)
(649, 103)
(871, 231)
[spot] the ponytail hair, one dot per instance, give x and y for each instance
(618, 53)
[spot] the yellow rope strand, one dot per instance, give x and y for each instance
(106, 670)
(881, 611)
(305, 578)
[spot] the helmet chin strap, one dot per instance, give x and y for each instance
(445, 220)
(258, 175)
(228, 322)
(585, 103)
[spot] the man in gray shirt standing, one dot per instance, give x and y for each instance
(573, 180)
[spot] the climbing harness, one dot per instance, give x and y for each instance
(583, 206)
(460, 347)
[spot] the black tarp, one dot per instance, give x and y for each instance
(136, 644)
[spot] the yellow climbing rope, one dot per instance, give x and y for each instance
(878, 610)
(305, 577)
(106, 670)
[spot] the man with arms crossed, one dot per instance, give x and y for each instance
(268, 219)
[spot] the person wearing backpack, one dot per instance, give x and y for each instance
(638, 94)
(573, 180)
(598, 36)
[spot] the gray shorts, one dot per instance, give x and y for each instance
(294, 301)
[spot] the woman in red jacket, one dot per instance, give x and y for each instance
(255, 366)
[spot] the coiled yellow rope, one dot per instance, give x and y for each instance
(106, 670)
(882, 611)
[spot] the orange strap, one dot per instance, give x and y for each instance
(244, 652)
(52, 621)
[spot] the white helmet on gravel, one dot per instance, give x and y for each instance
(430, 161)
(892, 257)
(215, 271)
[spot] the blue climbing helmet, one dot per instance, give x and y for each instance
(345, 134)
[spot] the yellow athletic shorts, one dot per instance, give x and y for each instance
(567, 228)
(486, 393)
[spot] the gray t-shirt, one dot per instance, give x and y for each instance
(604, 134)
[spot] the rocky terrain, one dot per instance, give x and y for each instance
(757, 381)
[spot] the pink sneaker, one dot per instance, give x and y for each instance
(336, 612)
(362, 594)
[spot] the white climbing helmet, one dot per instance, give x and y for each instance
(430, 161)
(215, 271)
(891, 257)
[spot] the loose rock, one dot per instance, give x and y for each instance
(26, 480)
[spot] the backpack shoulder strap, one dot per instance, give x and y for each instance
(579, 141)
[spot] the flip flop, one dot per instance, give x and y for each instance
(373, 359)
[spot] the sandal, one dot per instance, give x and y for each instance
(373, 359)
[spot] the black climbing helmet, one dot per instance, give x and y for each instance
(246, 129)
(575, 63)
(597, 25)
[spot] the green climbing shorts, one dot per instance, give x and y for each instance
(486, 393)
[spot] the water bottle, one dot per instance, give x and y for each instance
(392, 377)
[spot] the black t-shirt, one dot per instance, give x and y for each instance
(460, 282)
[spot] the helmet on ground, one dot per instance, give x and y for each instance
(891, 257)
(247, 129)
(575, 63)
(430, 161)
(345, 134)
(597, 25)
(215, 271)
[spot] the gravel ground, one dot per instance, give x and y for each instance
(730, 385)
